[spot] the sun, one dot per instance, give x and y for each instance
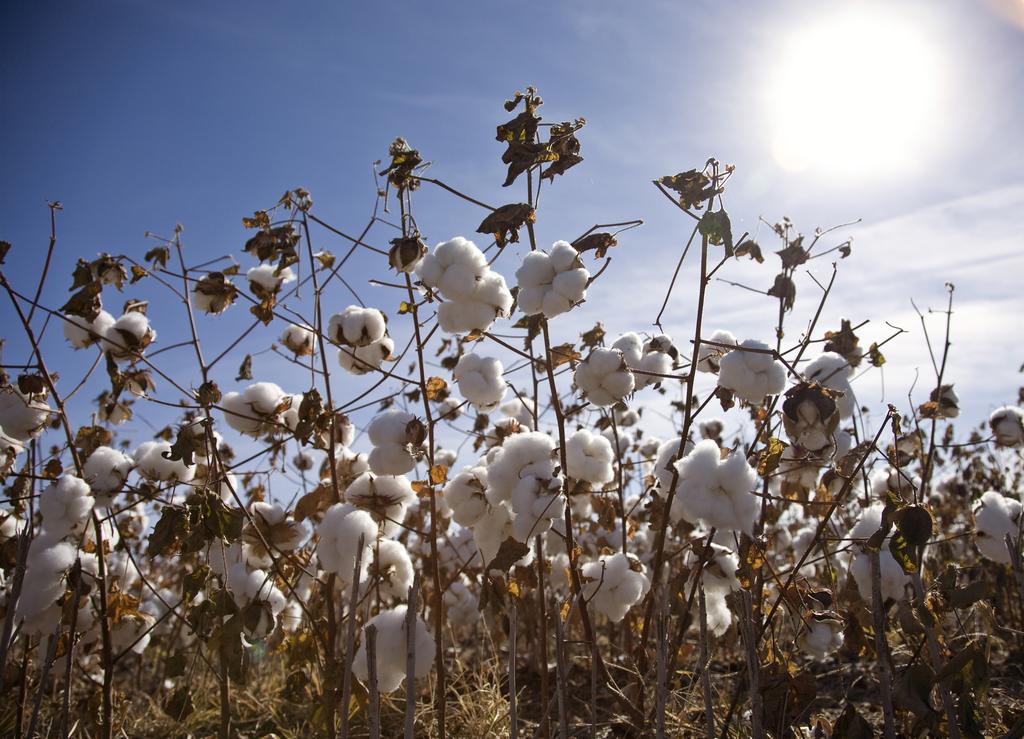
(856, 93)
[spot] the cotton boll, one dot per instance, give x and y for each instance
(46, 566)
(522, 412)
(250, 587)
(391, 459)
(362, 359)
(491, 529)
(464, 495)
(131, 632)
(647, 359)
(106, 470)
(480, 381)
(719, 572)
(894, 580)
(292, 617)
(663, 464)
(489, 300)
(10, 526)
(614, 584)
(1007, 424)
(129, 336)
(589, 457)
(65, 505)
(152, 465)
(715, 492)
(271, 524)
(265, 280)
(357, 326)
(617, 439)
(339, 533)
(81, 333)
(256, 411)
(603, 377)
(822, 635)
(349, 466)
(535, 502)
(301, 340)
(995, 516)
(22, 416)
(461, 606)
(394, 433)
(522, 455)
(625, 417)
(709, 358)
(719, 617)
(213, 294)
(447, 457)
(833, 371)
(552, 283)
(386, 497)
(222, 558)
(392, 569)
(391, 643)
(751, 375)
(453, 268)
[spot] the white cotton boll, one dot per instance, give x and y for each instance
(461, 606)
(626, 417)
(387, 497)
(894, 580)
(152, 465)
(589, 457)
(1007, 424)
(751, 375)
(393, 568)
(464, 495)
(603, 377)
(357, 326)
(645, 357)
(719, 616)
(65, 505)
(339, 533)
(719, 572)
(453, 268)
(362, 359)
(522, 455)
(995, 516)
(46, 565)
(663, 464)
(491, 529)
(489, 300)
(709, 358)
(111, 538)
(264, 281)
(391, 459)
(222, 558)
(256, 411)
(893, 478)
(447, 457)
(631, 346)
(10, 526)
(822, 636)
(131, 632)
(617, 440)
(274, 526)
(481, 381)
(715, 492)
(831, 370)
(652, 365)
(392, 433)
(614, 584)
(23, 417)
(522, 412)
(391, 644)
(256, 586)
(300, 340)
(128, 336)
(535, 502)
(552, 283)
(106, 469)
(292, 617)
(81, 333)
(390, 427)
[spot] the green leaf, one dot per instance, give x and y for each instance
(717, 227)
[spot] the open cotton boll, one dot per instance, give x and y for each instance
(603, 377)
(751, 375)
(357, 326)
(152, 465)
(349, 466)
(522, 455)
(300, 340)
(647, 359)
(464, 495)
(617, 438)
(213, 293)
(65, 505)
(719, 572)
(489, 300)
(522, 410)
(81, 333)
(392, 569)
(995, 516)
(481, 381)
(834, 372)
(256, 586)
(362, 359)
(491, 529)
(453, 268)
(129, 336)
(552, 282)
(614, 584)
(386, 497)
(271, 524)
(719, 616)
(663, 464)
(394, 435)
(535, 502)
(447, 457)
(265, 280)
(46, 565)
(709, 358)
(339, 533)
(626, 417)
(106, 469)
(10, 526)
(256, 411)
(1007, 424)
(391, 644)
(589, 457)
(894, 580)
(715, 492)
(822, 635)
(461, 606)
(131, 631)
(22, 416)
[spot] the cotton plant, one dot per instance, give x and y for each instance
(106, 471)
(357, 327)
(300, 340)
(709, 356)
(604, 377)
(474, 295)
(23, 416)
(894, 580)
(392, 570)
(339, 534)
(153, 463)
(270, 531)
(1007, 424)
(551, 283)
(129, 335)
(589, 458)
(751, 372)
(716, 492)
(266, 280)
(386, 497)
(65, 506)
(256, 587)
(465, 495)
(649, 360)
(81, 333)
(833, 371)
(481, 381)
(361, 360)
(996, 516)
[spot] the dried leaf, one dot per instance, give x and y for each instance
(504, 222)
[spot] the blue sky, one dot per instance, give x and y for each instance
(138, 115)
